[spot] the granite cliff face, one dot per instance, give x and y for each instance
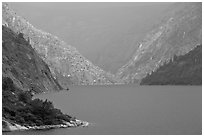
(179, 33)
(24, 74)
(34, 62)
(24, 66)
(66, 63)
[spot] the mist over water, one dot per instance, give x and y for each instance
(130, 109)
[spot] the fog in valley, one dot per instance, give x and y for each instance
(107, 34)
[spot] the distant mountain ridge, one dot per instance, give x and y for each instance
(177, 34)
(65, 62)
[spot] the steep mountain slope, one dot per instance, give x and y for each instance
(182, 70)
(24, 66)
(178, 34)
(105, 33)
(24, 73)
(66, 63)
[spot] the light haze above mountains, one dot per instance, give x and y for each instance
(107, 34)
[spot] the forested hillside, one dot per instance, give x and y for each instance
(24, 73)
(182, 70)
(24, 66)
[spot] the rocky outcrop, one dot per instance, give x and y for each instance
(24, 74)
(38, 62)
(179, 33)
(64, 61)
(24, 66)
(10, 126)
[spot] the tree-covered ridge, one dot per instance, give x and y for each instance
(24, 73)
(65, 62)
(178, 34)
(24, 66)
(182, 70)
(18, 107)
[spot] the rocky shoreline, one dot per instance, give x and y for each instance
(8, 126)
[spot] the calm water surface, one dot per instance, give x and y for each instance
(130, 109)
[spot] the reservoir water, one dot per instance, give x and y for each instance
(129, 109)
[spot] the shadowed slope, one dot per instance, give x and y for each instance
(64, 61)
(178, 34)
(183, 70)
(24, 66)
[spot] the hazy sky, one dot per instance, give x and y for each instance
(105, 33)
(74, 5)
